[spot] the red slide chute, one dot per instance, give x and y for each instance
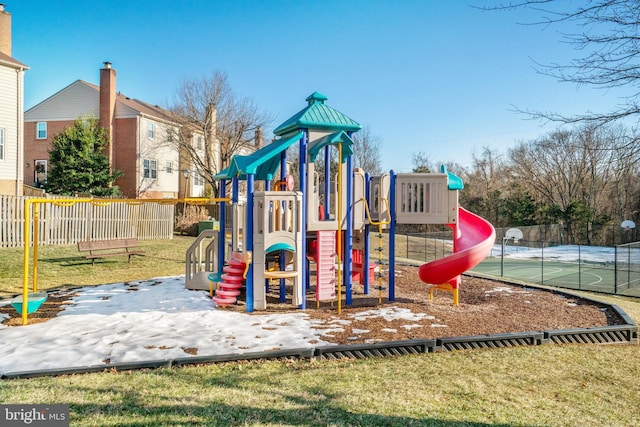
(474, 240)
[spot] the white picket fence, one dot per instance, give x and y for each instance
(68, 224)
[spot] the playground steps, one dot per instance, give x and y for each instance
(230, 282)
(325, 265)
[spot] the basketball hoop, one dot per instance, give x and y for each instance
(627, 224)
(514, 234)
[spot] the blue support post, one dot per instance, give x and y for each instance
(222, 234)
(234, 190)
(249, 240)
(283, 260)
(234, 202)
(367, 244)
(392, 237)
(283, 165)
(303, 187)
(348, 241)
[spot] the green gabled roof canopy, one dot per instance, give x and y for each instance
(262, 163)
(332, 139)
(318, 115)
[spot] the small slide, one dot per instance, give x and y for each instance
(475, 240)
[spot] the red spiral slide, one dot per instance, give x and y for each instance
(473, 243)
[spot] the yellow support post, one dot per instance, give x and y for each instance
(36, 223)
(447, 287)
(25, 266)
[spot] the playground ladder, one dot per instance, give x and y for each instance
(325, 266)
(201, 260)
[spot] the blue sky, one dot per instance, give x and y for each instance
(437, 77)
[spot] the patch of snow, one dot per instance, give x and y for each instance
(155, 321)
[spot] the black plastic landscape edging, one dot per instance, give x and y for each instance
(489, 341)
(626, 333)
(125, 366)
(379, 349)
(296, 353)
(618, 334)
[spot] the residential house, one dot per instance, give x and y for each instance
(140, 138)
(11, 112)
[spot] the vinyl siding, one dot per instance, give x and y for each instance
(157, 148)
(74, 101)
(9, 112)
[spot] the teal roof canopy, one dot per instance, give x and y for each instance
(263, 163)
(280, 247)
(454, 182)
(318, 115)
(332, 139)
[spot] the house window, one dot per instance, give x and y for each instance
(150, 168)
(41, 130)
(150, 130)
(199, 143)
(169, 167)
(1, 144)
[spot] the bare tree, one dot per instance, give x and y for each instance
(623, 182)
(570, 173)
(421, 162)
(215, 124)
(484, 183)
(488, 168)
(366, 152)
(609, 41)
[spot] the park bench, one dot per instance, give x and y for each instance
(107, 248)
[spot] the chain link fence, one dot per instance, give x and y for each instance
(606, 269)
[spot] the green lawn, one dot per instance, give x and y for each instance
(550, 385)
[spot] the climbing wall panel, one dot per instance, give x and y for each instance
(326, 267)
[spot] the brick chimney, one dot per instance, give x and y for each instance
(108, 105)
(258, 138)
(5, 31)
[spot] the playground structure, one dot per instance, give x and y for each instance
(328, 220)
